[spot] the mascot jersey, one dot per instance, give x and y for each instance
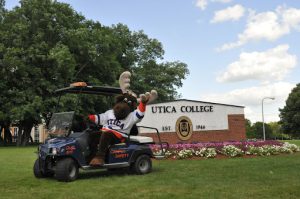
(120, 128)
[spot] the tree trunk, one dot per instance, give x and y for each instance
(20, 133)
(7, 135)
(31, 139)
(1, 140)
(26, 135)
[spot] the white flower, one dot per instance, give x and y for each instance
(231, 151)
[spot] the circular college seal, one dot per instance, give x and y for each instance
(184, 128)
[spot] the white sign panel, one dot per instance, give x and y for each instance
(203, 115)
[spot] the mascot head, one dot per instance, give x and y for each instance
(125, 104)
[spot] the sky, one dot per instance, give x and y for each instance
(237, 51)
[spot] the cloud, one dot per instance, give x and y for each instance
(290, 16)
(222, 1)
(273, 64)
(201, 4)
(268, 26)
(252, 97)
(271, 113)
(232, 13)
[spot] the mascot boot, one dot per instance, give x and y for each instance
(98, 160)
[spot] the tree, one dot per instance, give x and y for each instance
(4, 120)
(140, 54)
(168, 77)
(258, 129)
(2, 9)
(249, 130)
(45, 45)
(290, 113)
(37, 57)
(276, 129)
(135, 48)
(255, 130)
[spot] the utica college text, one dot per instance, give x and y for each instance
(183, 109)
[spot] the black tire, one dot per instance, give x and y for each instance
(142, 165)
(66, 170)
(38, 173)
(36, 169)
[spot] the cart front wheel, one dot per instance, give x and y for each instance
(66, 170)
(38, 173)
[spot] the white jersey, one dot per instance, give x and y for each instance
(109, 122)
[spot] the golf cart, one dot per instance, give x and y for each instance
(67, 149)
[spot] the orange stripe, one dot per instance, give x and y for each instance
(116, 133)
(142, 107)
(92, 118)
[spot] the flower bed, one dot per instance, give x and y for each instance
(229, 149)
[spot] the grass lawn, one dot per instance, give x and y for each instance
(260, 177)
(297, 142)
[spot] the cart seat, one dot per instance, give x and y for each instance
(141, 139)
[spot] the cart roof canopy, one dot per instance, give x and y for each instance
(84, 88)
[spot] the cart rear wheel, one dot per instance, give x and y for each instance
(142, 165)
(66, 170)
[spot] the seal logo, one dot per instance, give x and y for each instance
(184, 128)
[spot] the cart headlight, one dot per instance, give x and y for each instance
(54, 151)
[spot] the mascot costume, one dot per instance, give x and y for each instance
(117, 122)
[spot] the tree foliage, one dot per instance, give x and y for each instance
(2, 9)
(255, 130)
(290, 113)
(249, 130)
(258, 129)
(45, 45)
(140, 54)
(273, 130)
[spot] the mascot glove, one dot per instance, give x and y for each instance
(148, 97)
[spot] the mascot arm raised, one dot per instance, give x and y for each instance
(143, 101)
(148, 97)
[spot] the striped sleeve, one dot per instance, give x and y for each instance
(98, 119)
(140, 111)
(94, 118)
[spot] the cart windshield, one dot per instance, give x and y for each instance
(60, 124)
